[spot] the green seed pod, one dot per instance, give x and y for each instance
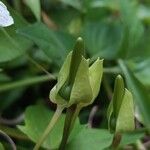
(78, 83)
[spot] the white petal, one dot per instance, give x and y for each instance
(5, 18)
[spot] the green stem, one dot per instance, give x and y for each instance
(116, 141)
(17, 5)
(107, 87)
(15, 133)
(71, 115)
(76, 113)
(25, 82)
(112, 70)
(50, 126)
(8, 139)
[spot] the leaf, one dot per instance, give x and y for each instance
(8, 49)
(133, 28)
(90, 139)
(144, 13)
(35, 7)
(131, 137)
(141, 70)
(4, 78)
(103, 40)
(54, 44)
(100, 139)
(1, 146)
(36, 122)
(140, 94)
(74, 3)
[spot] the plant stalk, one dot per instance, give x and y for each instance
(50, 126)
(116, 141)
(8, 139)
(71, 115)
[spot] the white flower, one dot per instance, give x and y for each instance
(5, 18)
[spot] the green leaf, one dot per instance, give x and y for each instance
(144, 13)
(103, 40)
(74, 3)
(9, 50)
(141, 70)
(140, 94)
(36, 122)
(100, 139)
(4, 78)
(54, 44)
(90, 139)
(125, 119)
(1, 146)
(133, 28)
(35, 7)
(130, 137)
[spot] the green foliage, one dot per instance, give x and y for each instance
(1, 146)
(141, 96)
(33, 116)
(11, 49)
(91, 139)
(103, 40)
(54, 44)
(41, 41)
(35, 7)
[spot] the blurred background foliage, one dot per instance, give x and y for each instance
(117, 31)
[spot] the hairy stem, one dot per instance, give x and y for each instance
(50, 126)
